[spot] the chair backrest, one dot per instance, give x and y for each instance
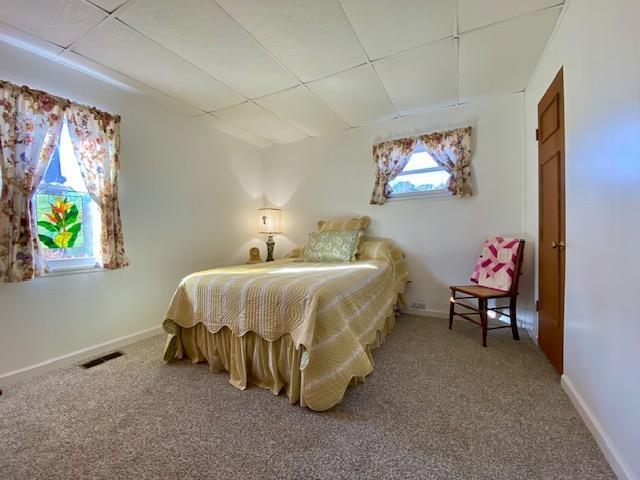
(518, 270)
(500, 264)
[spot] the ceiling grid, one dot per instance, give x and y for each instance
(280, 71)
(368, 58)
(110, 15)
(305, 85)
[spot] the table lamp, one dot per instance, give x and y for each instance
(270, 222)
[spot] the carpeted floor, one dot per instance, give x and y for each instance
(438, 406)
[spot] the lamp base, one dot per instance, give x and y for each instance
(270, 245)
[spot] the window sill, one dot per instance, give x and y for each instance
(62, 271)
(418, 195)
(72, 266)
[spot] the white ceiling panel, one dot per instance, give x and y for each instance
(302, 109)
(119, 47)
(499, 59)
(60, 22)
(390, 26)
(474, 13)
(356, 95)
(311, 37)
(117, 79)
(204, 34)
(362, 61)
(108, 5)
(256, 120)
(423, 78)
(234, 131)
(26, 41)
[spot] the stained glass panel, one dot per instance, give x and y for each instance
(64, 210)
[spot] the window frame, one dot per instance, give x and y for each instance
(67, 266)
(443, 192)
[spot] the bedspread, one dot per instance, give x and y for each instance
(334, 312)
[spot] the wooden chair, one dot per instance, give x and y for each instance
(483, 295)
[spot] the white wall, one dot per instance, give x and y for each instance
(597, 43)
(188, 197)
(442, 237)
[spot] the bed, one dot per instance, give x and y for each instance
(303, 327)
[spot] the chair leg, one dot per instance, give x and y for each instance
(482, 306)
(452, 305)
(514, 318)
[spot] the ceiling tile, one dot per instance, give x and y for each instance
(108, 5)
(117, 79)
(423, 78)
(26, 41)
(390, 26)
(256, 120)
(311, 37)
(204, 34)
(234, 131)
(119, 47)
(60, 22)
(356, 95)
(499, 59)
(474, 14)
(304, 110)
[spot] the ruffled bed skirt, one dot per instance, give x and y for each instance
(250, 359)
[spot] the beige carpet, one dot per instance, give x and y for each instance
(438, 406)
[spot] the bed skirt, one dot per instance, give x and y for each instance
(250, 359)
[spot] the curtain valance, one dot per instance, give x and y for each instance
(30, 126)
(451, 149)
(61, 102)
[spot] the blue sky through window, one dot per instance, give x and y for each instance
(420, 174)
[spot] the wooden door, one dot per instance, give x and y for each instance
(551, 243)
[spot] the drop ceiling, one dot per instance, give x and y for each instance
(279, 71)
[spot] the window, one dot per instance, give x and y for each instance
(68, 219)
(420, 176)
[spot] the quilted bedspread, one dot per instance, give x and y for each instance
(333, 311)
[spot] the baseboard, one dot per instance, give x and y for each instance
(77, 356)
(604, 441)
(425, 313)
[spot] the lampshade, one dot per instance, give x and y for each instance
(269, 220)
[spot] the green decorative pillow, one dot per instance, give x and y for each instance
(332, 246)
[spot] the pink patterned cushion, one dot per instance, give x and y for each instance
(497, 263)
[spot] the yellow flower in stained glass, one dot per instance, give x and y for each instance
(62, 239)
(62, 221)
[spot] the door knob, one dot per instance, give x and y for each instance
(561, 244)
(554, 244)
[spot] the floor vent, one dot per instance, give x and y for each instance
(111, 356)
(97, 361)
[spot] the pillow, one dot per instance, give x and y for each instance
(332, 246)
(296, 252)
(388, 251)
(377, 249)
(339, 224)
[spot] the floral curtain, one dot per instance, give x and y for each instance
(390, 158)
(95, 136)
(30, 125)
(452, 151)
(29, 130)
